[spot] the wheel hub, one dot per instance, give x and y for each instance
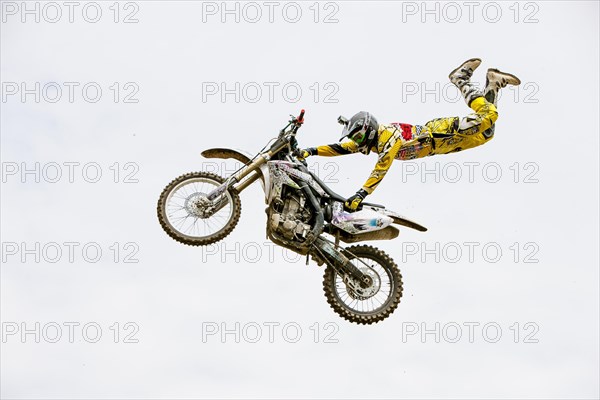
(363, 290)
(197, 204)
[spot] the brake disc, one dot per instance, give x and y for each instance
(197, 204)
(357, 291)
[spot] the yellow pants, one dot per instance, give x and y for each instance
(452, 134)
(455, 134)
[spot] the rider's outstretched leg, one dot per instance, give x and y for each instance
(483, 103)
(461, 77)
(485, 113)
(496, 80)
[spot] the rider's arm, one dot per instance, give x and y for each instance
(386, 158)
(336, 149)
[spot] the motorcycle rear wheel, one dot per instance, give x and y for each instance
(179, 208)
(372, 307)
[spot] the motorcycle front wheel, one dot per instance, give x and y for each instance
(182, 209)
(365, 305)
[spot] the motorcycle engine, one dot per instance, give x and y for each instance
(289, 217)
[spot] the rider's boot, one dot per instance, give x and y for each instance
(461, 77)
(496, 80)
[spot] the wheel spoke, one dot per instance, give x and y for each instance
(184, 208)
(369, 304)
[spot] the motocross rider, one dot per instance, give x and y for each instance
(403, 141)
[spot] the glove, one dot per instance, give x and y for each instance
(303, 154)
(353, 203)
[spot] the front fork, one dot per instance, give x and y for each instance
(237, 180)
(340, 262)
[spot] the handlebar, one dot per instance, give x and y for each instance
(287, 137)
(296, 123)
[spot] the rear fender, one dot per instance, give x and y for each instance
(400, 220)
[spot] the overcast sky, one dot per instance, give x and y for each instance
(500, 295)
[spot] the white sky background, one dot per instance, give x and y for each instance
(374, 53)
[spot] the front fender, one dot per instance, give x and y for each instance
(224, 153)
(238, 155)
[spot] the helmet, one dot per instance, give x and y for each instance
(362, 129)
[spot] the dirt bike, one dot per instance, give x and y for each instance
(362, 283)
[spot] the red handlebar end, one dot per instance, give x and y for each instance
(301, 117)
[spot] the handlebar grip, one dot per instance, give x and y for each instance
(301, 116)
